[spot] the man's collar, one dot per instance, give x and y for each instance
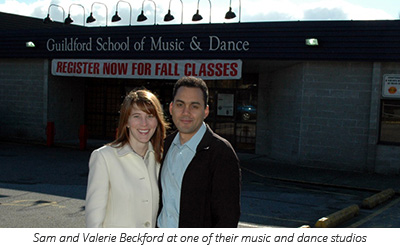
(194, 141)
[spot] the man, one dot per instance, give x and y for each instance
(200, 176)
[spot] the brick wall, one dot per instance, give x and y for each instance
(30, 97)
(23, 99)
(278, 121)
(316, 114)
(335, 114)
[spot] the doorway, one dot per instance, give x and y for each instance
(233, 107)
(233, 111)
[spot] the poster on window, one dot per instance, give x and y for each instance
(391, 86)
(225, 105)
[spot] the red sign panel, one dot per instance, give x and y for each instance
(148, 69)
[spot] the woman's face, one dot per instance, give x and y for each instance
(141, 126)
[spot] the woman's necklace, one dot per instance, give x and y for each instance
(142, 156)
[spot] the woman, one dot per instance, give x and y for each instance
(123, 175)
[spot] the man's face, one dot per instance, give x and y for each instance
(188, 111)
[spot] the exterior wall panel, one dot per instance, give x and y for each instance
(23, 98)
(335, 114)
(66, 106)
(278, 122)
(338, 40)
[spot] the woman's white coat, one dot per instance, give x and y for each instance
(122, 188)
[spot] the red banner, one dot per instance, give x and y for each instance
(148, 69)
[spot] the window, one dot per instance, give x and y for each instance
(390, 122)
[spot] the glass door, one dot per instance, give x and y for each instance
(233, 114)
(246, 119)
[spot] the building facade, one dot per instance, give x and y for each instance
(332, 105)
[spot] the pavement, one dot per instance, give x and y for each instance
(268, 168)
(65, 165)
(383, 186)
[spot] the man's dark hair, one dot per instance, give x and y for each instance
(192, 82)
